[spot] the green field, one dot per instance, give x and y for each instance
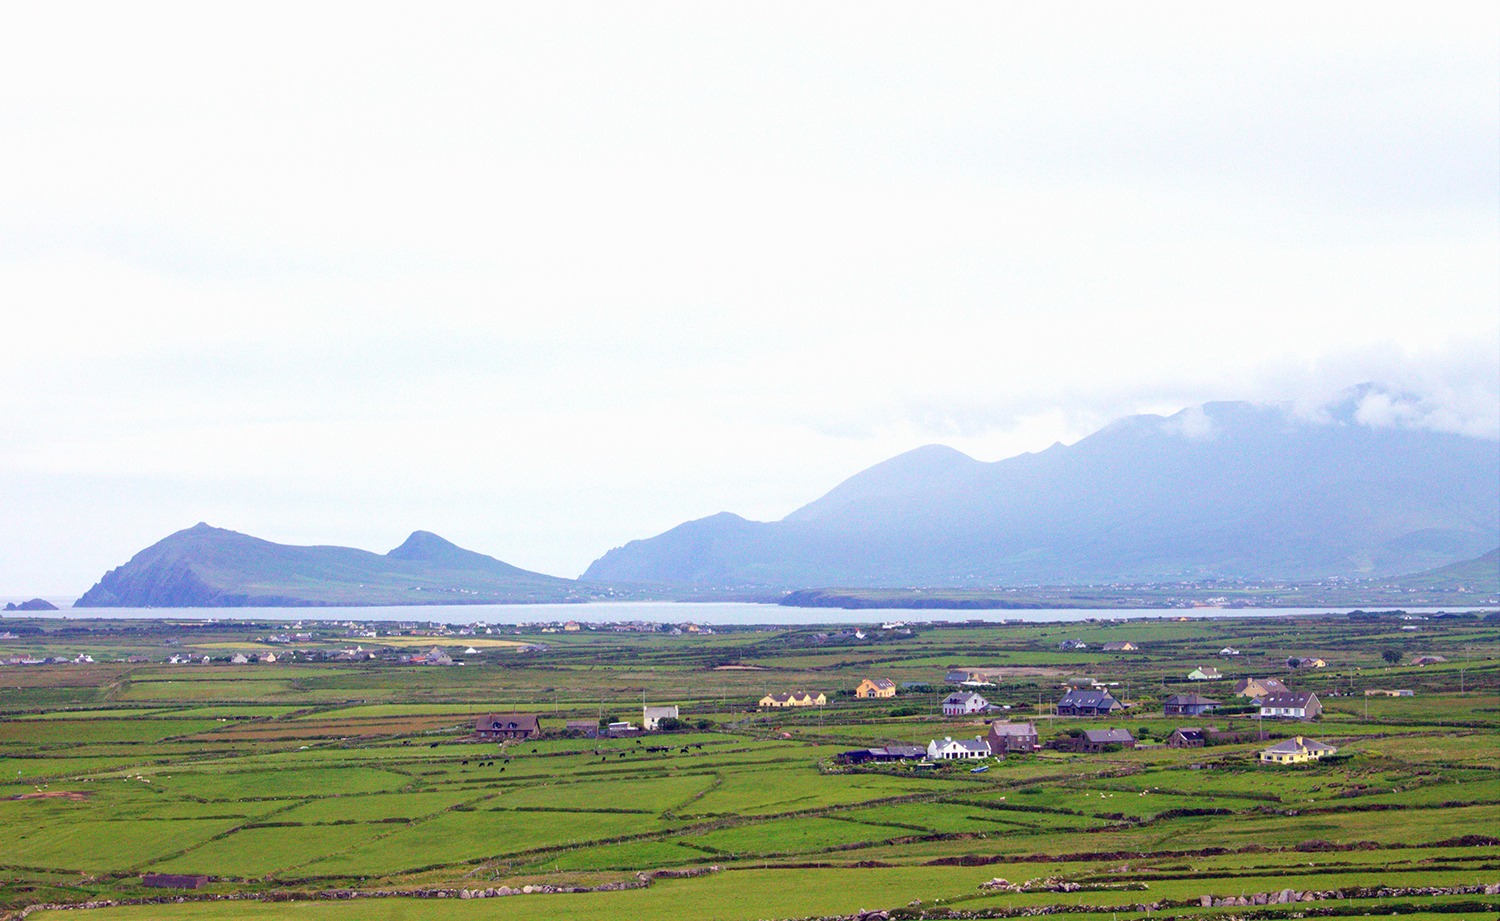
(284, 782)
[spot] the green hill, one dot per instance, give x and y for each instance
(204, 566)
(1480, 575)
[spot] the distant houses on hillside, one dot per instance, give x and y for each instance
(793, 699)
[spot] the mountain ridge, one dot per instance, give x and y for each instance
(1226, 489)
(204, 566)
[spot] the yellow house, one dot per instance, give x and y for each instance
(794, 699)
(876, 687)
(1296, 751)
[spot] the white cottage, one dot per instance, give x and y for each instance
(957, 749)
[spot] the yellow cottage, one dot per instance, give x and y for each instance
(876, 687)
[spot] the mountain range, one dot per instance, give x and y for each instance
(204, 566)
(1233, 489)
(1220, 491)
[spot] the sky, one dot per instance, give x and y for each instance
(548, 278)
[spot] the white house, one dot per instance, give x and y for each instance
(651, 717)
(964, 703)
(957, 749)
(1296, 751)
(1304, 706)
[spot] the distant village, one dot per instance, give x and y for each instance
(1263, 699)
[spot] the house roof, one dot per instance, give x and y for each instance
(963, 697)
(1266, 685)
(1294, 701)
(1002, 728)
(882, 683)
(661, 712)
(973, 745)
(507, 721)
(1301, 744)
(1119, 646)
(1190, 700)
(1108, 735)
(1078, 697)
(1192, 734)
(1205, 670)
(903, 751)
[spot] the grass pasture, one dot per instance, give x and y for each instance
(283, 781)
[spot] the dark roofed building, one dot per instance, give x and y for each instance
(1187, 738)
(1095, 740)
(1085, 702)
(587, 728)
(1189, 705)
(502, 726)
(1013, 737)
(884, 753)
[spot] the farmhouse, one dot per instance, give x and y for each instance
(957, 749)
(956, 676)
(651, 717)
(1079, 702)
(1428, 660)
(1290, 706)
(1095, 740)
(503, 726)
(964, 703)
(1120, 646)
(622, 729)
(589, 729)
(882, 754)
(1383, 692)
(1006, 737)
(1308, 662)
(1258, 687)
(1296, 751)
(876, 687)
(1229, 651)
(1189, 705)
(1187, 738)
(1204, 673)
(794, 699)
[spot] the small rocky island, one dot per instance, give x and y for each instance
(35, 604)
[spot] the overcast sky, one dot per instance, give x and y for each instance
(547, 278)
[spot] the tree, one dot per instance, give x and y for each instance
(1391, 656)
